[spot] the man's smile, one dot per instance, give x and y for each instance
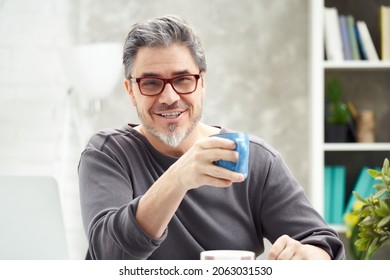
(171, 115)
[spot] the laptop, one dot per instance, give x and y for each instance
(31, 221)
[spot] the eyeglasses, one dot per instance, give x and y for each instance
(182, 84)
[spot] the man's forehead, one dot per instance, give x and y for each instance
(161, 61)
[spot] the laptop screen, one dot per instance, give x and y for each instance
(31, 218)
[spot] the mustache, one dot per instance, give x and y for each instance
(174, 106)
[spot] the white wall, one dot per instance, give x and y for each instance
(33, 99)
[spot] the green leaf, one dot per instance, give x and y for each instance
(383, 205)
(361, 244)
(386, 171)
(379, 187)
(367, 221)
(377, 175)
(359, 197)
(372, 248)
(379, 193)
(384, 221)
(366, 235)
(381, 212)
(385, 240)
(386, 165)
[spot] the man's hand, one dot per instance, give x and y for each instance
(192, 170)
(286, 248)
(196, 167)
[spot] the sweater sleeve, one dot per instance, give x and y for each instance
(108, 210)
(286, 210)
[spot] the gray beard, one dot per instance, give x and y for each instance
(173, 139)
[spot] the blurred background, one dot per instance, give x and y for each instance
(257, 80)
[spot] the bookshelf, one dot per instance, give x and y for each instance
(357, 65)
(365, 83)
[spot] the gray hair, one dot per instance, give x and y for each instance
(162, 31)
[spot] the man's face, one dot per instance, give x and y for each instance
(168, 116)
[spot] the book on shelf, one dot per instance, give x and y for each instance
(366, 43)
(347, 50)
(349, 39)
(352, 37)
(335, 179)
(328, 209)
(333, 41)
(339, 180)
(364, 186)
(385, 32)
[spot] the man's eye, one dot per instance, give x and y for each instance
(183, 79)
(150, 83)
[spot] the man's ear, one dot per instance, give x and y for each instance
(203, 81)
(129, 90)
(202, 78)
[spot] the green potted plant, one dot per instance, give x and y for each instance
(338, 116)
(369, 223)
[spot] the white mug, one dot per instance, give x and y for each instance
(227, 255)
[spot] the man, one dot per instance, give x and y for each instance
(152, 191)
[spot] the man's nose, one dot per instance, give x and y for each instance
(169, 95)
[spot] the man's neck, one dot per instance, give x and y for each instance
(200, 131)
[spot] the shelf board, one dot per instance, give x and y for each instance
(339, 228)
(357, 65)
(357, 147)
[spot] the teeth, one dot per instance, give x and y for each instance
(171, 115)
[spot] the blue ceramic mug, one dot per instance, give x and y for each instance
(242, 147)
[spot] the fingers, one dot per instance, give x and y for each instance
(216, 148)
(196, 167)
(285, 248)
(214, 143)
(219, 176)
